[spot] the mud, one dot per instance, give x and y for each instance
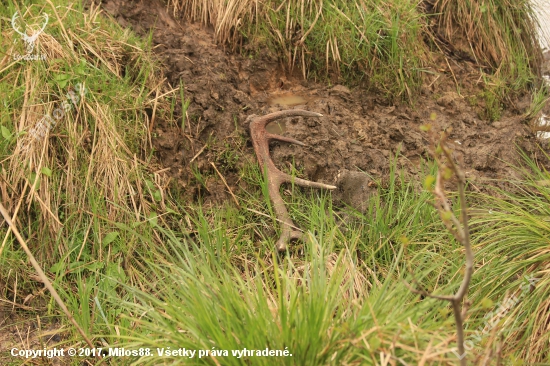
(25, 332)
(359, 132)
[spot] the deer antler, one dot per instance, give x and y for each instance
(275, 177)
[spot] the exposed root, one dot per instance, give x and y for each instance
(275, 177)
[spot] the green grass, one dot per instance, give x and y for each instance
(207, 288)
(375, 42)
(339, 298)
(501, 36)
(92, 148)
(387, 45)
(89, 167)
(513, 245)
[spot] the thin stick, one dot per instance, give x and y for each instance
(154, 110)
(43, 276)
(224, 182)
(14, 216)
(197, 154)
(461, 234)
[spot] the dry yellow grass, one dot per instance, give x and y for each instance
(501, 35)
(80, 162)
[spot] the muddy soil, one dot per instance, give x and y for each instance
(359, 131)
(24, 330)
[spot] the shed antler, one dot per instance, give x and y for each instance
(275, 177)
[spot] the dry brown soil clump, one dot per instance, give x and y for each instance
(359, 131)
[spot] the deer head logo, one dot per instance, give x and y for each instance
(29, 40)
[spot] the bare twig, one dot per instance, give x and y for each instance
(458, 228)
(43, 276)
(197, 154)
(275, 177)
(226, 185)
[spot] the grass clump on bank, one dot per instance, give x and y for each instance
(73, 150)
(374, 43)
(500, 35)
(342, 296)
(73, 124)
(513, 245)
(381, 43)
(501, 38)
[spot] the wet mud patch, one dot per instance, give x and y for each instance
(359, 130)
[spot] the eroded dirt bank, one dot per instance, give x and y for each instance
(359, 130)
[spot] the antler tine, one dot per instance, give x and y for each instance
(14, 26)
(275, 177)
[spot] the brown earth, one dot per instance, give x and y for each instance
(359, 131)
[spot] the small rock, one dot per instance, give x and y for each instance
(355, 189)
(241, 97)
(209, 114)
(448, 99)
(340, 89)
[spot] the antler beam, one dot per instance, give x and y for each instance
(275, 177)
